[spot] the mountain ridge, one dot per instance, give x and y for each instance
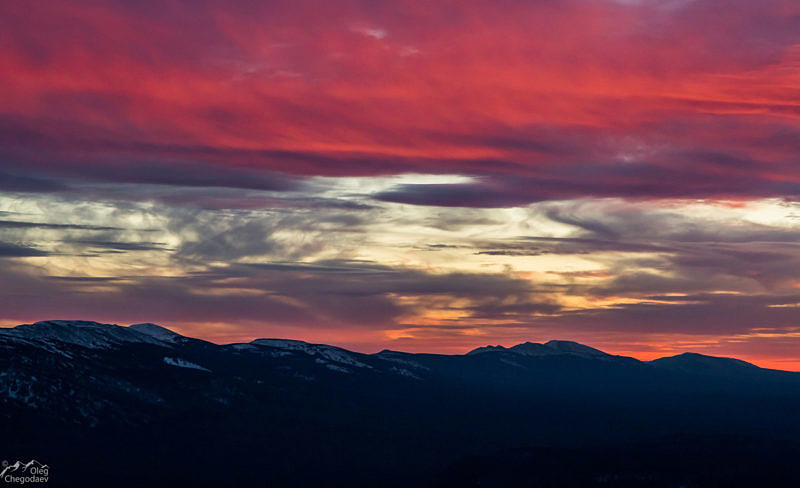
(70, 390)
(94, 334)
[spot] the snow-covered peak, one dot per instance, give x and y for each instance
(574, 347)
(77, 324)
(547, 349)
(93, 335)
(282, 343)
(532, 349)
(153, 330)
(324, 351)
(486, 349)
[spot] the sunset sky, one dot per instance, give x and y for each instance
(412, 175)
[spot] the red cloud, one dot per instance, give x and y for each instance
(583, 97)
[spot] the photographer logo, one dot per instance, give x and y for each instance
(24, 473)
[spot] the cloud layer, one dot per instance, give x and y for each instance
(537, 100)
(429, 176)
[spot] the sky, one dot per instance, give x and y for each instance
(404, 174)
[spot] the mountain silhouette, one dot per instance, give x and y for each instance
(280, 412)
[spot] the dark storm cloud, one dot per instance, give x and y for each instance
(31, 147)
(190, 175)
(514, 252)
(28, 183)
(120, 246)
(220, 198)
(330, 267)
(179, 173)
(8, 250)
(644, 179)
(86, 279)
(496, 309)
(456, 195)
(16, 224)
(539, 245)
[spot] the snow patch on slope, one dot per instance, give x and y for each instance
(182, 363)
(400, 357)
(404, 372)
(330, 353)
(330, 366)
(156, 331)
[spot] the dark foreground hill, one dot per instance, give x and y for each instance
(104, 405)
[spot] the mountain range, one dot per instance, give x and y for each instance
(278, 412)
